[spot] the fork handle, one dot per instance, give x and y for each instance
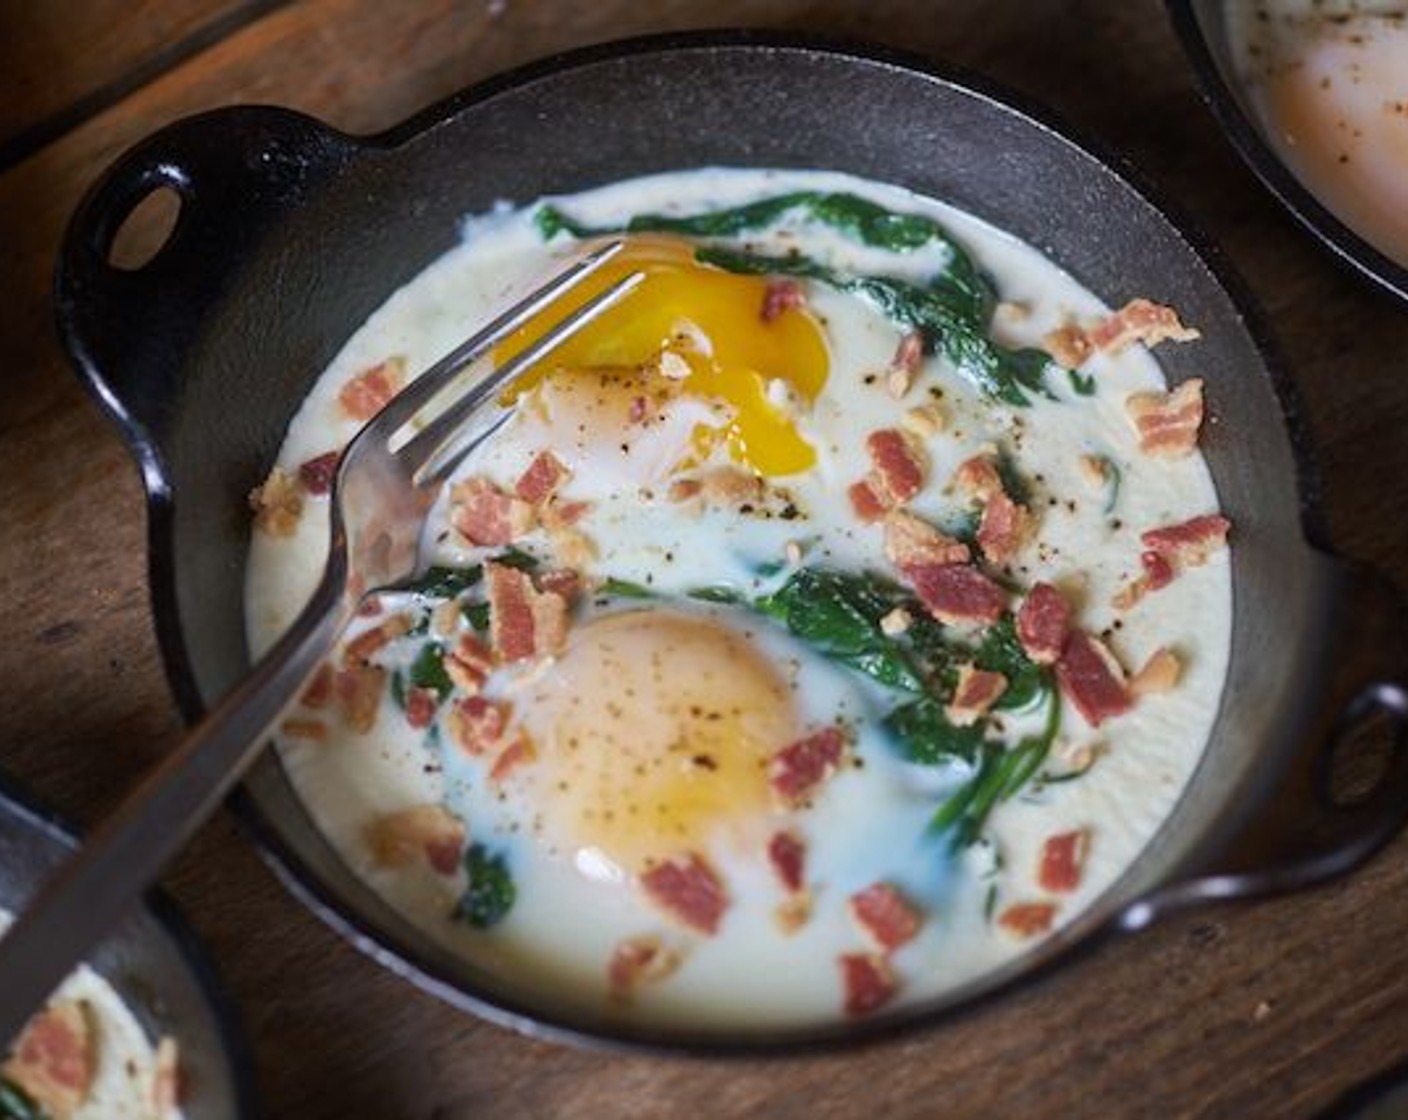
(89, 894)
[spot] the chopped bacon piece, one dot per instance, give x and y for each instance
(359, 689)
(485, 515)
(637, 961)
(361, 648)
(277, 504)
(977, 478)
(368, 392)
(1027, 919)
(164, 1093)
(477, 724)
(318, 472)
(1140, 320)
(683, 489)
(911, 540)
(1063, 860)
(868, 981)
(1003, 528)
(688, 890)
(560, 581)
(1159, 674)
(1158, 572)
(421, 832)
(867, 502)
(1188, 544)
(523, 621)
(957, 592)
(421, 704)
(900, 465)
(730, 486)
(1092, 679)
(787, 855)
(518, 753)
(781, 296)
(556, 514)
(797, 770)
(318, 691)
(468, 664)
(976, 692)
(1043, 622)
(1167, 423)
(909, 355)
(542, 478)
(885, 916)
(313, 730)
(55, 1058)
(1068, 344)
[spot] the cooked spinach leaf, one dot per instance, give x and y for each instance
(924, 734)
(398, 689)
(16, 1104)
(624, 589)
(491, 892)
(1000, 651)
(1082, 383)
(428, 670)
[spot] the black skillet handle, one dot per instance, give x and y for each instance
(238, 173)
(1302, 829)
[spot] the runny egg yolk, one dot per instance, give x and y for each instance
(653, 732)
(712, 322)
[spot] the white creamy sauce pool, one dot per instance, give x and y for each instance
(574, 904)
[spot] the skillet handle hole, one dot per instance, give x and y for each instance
(145, 230)
(1367, 747)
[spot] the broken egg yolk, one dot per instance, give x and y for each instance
(700, 331)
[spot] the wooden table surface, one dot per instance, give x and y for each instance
(1273, 1008)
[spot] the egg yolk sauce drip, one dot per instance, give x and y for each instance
(700, 328)
(653, 730)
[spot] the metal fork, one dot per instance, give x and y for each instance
(379, 501)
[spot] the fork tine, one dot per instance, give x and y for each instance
(431, 440)
(420, 391)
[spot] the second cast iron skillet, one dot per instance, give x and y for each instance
(290, 234)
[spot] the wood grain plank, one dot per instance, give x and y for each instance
(1267, 1009)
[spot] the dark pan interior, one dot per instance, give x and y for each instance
(290, 300)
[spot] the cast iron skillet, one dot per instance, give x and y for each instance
(153, 962)
(290, 234)
(1203, 32)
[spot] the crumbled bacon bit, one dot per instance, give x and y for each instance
(477, 724)
(1063, 860)
(523, 621)
(910, 540)
(55, 1058)
(884, 916)
(1092, 678)
(421, 704)
(688, 890)
(1027, 919)
(1167, 423)
(636, 962)
(318, 691)
(787, 855)
(1043, 622)
(896, 622)
(314, 730)
(781, 296)
(1158, 573)
(900, 465)
(359, 689)
(164, 1093)
(1140, 320)
(975, 693)
(977, 478)
(1004, 527)
(866, 501)
(368, 642)
(1190, 543)
(909, 354)
(683, 489)
(923, 420)
(468, 664)
(277, 504)
(1159, 674)
(868, 982)
(518, 753)
(560, 581)
(1068, 344)
(542, 478)
(317, 473)
(556, 515)
(421, 832)
(956, 593)
(370, 391)
(797, 770)
(486, 516)
(730, 486)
